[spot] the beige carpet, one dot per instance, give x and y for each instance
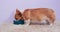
(8, 27)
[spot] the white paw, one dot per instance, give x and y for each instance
(51, 24)
(27, 22)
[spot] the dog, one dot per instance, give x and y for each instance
(39, 14)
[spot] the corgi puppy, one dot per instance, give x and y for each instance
(39, 14)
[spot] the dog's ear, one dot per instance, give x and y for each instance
(17, 10)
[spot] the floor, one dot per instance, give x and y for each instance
(9, 27)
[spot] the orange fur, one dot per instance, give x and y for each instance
(38, 14)
(18, 15)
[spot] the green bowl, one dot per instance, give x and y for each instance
(17, 22)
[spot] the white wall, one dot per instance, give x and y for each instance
(7, 7)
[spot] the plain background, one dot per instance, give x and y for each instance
(8, 7)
